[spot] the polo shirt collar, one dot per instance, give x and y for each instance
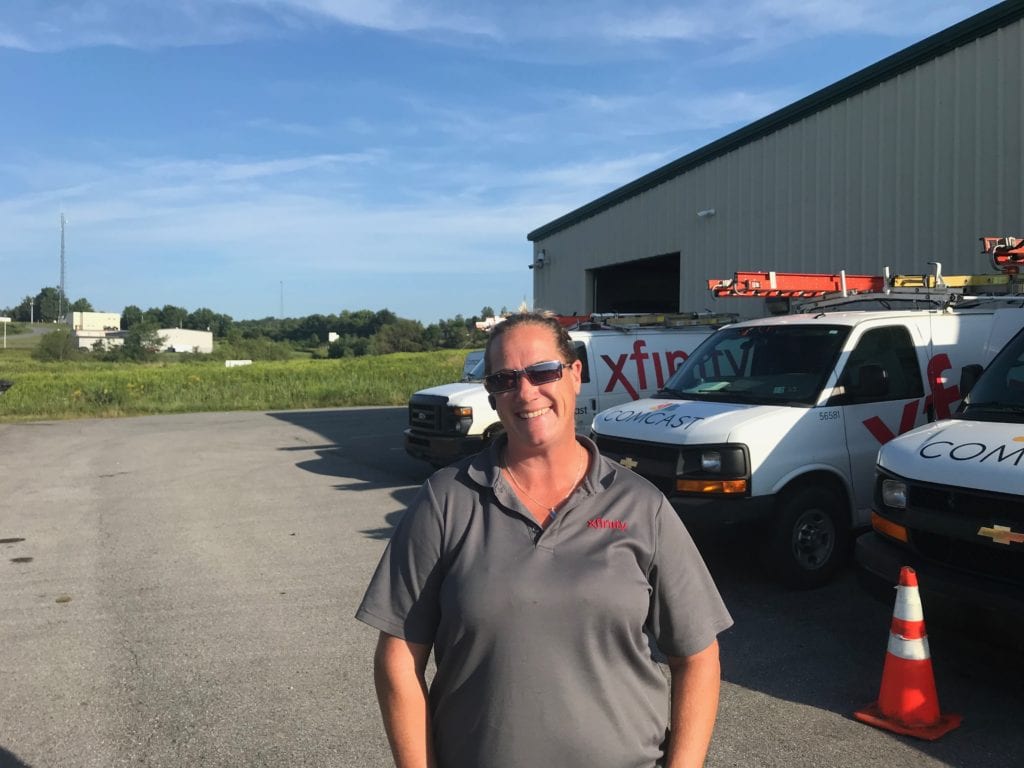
(485, 468)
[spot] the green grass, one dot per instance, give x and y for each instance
(91, 389)
(20, 337)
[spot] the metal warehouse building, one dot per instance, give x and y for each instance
(908, 161)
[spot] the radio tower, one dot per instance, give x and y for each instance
(60, 298)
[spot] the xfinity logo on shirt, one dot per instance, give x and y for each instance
(600, 522)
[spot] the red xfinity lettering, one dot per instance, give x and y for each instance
(618, 368)
(618, 375)
(941, 397)
(882, 433)
(656, 359)
(639, 356)
(675, 358)
(600, 522)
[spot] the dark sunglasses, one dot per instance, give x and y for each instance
(536, 374)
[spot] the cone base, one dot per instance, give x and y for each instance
(872, 715)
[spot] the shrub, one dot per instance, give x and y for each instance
(57, 346)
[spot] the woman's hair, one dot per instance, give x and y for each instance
(544, 319)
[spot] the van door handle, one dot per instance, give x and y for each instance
(593, 405)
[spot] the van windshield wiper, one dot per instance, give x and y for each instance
(681, 394)
(667, 393)
(995, 406)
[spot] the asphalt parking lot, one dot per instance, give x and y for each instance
(179, 590)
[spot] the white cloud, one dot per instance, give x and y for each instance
(585, 181)
(161, 206)
(790, 19)
(42, 25)
(387, 15)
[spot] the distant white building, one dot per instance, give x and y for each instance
(94, 321)
(185, 340)
(88, 328)
(104, 328)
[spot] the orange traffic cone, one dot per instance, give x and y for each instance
(907, 702)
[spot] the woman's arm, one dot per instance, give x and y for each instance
(399, 673)
(696, 680)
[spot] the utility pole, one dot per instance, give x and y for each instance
(282, 300)
(60, 299)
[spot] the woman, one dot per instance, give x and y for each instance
(539, 572)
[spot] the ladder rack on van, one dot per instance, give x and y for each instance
(1006, 255)
(663, 319)
(794, 284)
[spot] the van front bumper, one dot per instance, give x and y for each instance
(881, 560)
(441, 450)
(723, 510)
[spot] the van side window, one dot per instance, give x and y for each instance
(890, 352)
(581, 353)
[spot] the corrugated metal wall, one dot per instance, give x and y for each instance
(913, 170)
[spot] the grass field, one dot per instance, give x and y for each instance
(43, 391)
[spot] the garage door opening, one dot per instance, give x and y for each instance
(644, 285)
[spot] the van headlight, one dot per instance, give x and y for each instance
(718, 460)
(462, 418)
(894, 494)
(713, 470)
(711, 461)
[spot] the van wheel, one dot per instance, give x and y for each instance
(810, 540)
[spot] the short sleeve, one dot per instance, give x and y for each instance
(403, 596)
(687, 612)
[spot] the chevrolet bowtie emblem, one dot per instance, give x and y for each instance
(628, 463)
(1002, 534)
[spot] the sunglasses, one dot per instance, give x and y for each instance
(536, 374)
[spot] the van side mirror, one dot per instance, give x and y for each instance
(871, 381)
(969, 376)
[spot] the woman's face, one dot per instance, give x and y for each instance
(535, 415)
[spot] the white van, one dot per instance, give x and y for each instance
(949, 497)
(620, 364)
(778, 421)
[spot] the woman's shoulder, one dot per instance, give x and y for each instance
(612, 474)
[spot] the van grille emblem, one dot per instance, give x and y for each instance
(628, 462)
(1002, 534)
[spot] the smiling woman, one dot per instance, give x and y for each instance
(539, 573)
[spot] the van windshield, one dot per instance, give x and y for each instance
(760, 364)
(999, 393)
(476, 372)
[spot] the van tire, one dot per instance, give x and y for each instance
(810, 539)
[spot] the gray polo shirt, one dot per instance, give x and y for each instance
(540, 637)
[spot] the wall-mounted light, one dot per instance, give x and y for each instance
(706, 213)
(540, 261)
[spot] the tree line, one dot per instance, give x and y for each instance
(359, 332)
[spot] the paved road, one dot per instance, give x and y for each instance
(179, 590)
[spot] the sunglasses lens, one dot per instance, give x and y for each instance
(543, 373)
(502, 381)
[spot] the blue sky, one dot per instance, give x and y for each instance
(350, 154)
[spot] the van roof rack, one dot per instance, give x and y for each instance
(663, 319)
(1006, 255)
